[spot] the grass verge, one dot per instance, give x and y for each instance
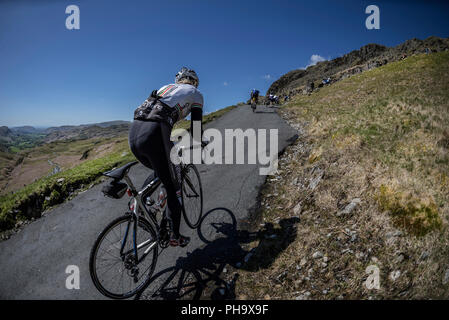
(369, 182)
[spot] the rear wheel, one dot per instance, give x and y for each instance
(112, 264)
(192, 196)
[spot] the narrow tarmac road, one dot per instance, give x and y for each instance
(33, 262)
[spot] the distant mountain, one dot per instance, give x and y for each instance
(25, 130)
(18, 138)
(367, 57)
(5, 132)
(84, 126)
(87, 131)
(109, 123)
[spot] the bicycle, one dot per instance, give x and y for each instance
(138, 233)
(253, 104)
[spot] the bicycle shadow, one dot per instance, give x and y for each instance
(203, 274)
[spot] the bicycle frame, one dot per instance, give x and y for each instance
(139, 209)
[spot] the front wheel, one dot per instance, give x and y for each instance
(192, 196)
(115, 269)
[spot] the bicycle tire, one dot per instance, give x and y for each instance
(93, 254)
(192, 224)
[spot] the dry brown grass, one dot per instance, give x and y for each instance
(379, 137)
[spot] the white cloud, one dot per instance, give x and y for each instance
(314, 59)
(225, 83)
(267, 77)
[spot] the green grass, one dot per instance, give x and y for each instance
(410, 213)
(16, 206)
(185, 124)
(399, 116)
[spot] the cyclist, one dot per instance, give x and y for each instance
(255, 95)
(269, 97)
(149, 138)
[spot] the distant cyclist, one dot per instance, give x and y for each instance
(149, 137)
(270, 98)
(255, 95)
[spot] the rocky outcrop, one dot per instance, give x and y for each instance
(368, 57)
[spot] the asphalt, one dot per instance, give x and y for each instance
(33, 262)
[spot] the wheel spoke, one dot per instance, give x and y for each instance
(110, 269)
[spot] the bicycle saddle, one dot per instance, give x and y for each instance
(119, 173)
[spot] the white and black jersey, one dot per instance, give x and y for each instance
(183, 97)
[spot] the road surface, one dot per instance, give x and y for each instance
(33, 262)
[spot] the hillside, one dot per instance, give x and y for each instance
(368, 57)
(27, 153)
(368, 185)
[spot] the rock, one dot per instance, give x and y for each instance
(325, 259)
(424, 255)
(347, 250)
(399, 258)
(297, 209)
(360, 255)
(394, 275)
(350, 207)
(303, 262)
(316, 180)
(317, 255)
(281, 276)
(60, 180)
(392, 234)
(304, 296)
(446, 277)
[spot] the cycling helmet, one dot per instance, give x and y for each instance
(186, 73)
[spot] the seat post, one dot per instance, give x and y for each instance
(130, 184)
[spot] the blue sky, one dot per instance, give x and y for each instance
(50, 75)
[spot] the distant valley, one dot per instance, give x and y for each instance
(28, 153)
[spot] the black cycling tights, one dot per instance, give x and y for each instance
(150, 143)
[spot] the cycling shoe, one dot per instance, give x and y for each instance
(181, 241)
